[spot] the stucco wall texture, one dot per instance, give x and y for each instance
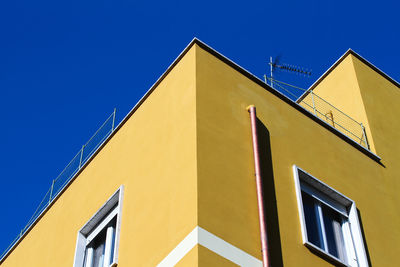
(185, 159)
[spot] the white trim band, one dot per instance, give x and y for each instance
(219, 246)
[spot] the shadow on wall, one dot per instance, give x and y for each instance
(270, 206)
(363, 235)
(271, 210)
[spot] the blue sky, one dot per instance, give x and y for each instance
(64, 66)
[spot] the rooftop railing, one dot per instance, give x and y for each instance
(58, 184)
(335, 117)
(325, 111)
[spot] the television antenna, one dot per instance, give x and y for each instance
(275, 65)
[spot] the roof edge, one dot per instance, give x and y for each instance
(337, 62)
(154, 86)
(284, 98)
(123, 121)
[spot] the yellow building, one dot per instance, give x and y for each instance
(174, 183)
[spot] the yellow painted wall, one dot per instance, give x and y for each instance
(372, 96)
(209, 258)
(341, 89)
(154, 156)
(368, 96)
(227, 203)
(381, 99)
(203, 257)
(185, 159)
(227, 200)
(190, 259)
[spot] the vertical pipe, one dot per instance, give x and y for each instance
(260, 197)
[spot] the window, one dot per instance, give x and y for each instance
(97, 243)
(329, 221)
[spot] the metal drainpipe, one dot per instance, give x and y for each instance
(260, 197)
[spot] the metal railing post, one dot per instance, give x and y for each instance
(364, 136)
(313, 103)
(51, 190)
(113, 120)
(81, 157)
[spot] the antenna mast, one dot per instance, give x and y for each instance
(271, 65)
(275, 65)
(289, 68)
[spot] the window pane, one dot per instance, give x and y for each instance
(110, 241)
(88, 257)
(113, 224)
(333, 231)
(312, 220)
(98, 245)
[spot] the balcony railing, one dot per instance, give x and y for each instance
(325, 111)
(335, 117)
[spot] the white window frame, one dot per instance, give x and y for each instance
(111, 209)
(355, 249)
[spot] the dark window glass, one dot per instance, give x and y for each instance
(312, 221)
(333, 230)
(98, 249)
(98, 244)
